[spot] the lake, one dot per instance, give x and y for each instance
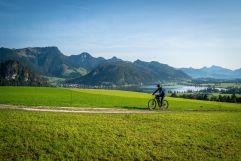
(176, 88)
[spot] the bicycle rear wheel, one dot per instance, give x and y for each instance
(152, 104)
(164, 105)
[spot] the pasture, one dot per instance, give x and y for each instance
(26, 135)
(211, 132)
(44, 96)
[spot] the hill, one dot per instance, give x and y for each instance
(216, 72)
(118, 72)
(86, 69)
(162, 72)
(115, 73)
(49, 61)
(14, 73)
(85, 60)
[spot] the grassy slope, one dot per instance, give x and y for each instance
(26, 135)
(98, 98)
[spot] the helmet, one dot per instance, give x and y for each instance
(158, 85)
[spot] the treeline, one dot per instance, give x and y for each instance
(216, 81)
(229, 90)
(23, 83)
(203, 96)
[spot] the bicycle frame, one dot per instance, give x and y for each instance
(157, 100)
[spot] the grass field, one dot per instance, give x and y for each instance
(98, 98)
(171, 135)
(26, 135)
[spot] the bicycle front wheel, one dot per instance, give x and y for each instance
(164, 105)
(152, 104)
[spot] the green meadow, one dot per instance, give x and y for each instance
(28, 135)
(211, 132)
(44, 96)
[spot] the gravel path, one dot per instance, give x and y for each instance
(99, 109)
(73, 109)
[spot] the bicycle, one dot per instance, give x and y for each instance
(153, 102)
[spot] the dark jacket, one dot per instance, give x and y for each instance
(160, 91)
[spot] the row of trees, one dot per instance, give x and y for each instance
(214, 81)
(203, 96)
(232, 90)
(226, 98)
(229, 90)
(22, 83)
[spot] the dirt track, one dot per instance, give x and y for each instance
(98, 109)
(73, 109)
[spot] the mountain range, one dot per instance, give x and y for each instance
(86, 69)
(50, 61)
(215, 72)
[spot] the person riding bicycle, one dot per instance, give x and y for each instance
(160, 94)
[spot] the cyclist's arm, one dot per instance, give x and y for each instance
(155, 91)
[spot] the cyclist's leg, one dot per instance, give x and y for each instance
(162, 97)
(158, 100)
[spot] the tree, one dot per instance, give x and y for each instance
(234, 98)
(174, 94)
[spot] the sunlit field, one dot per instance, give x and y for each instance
(53, 97)
(188, 130)
(26, 135)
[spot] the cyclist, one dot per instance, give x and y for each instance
(160, 94)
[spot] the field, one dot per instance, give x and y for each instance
(211, 132)
(98, 98)
(28, 135)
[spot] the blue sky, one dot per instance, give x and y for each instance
(181, 33)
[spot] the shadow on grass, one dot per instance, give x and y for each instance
(132, 107)
(181, 109)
